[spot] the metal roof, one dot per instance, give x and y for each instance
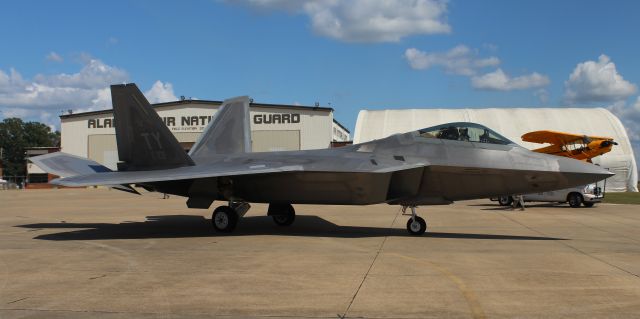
(342, 126)
(208, 102)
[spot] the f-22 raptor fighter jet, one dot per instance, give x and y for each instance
(432, 166)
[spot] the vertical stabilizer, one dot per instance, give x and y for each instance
(227, 133)
(144, 141)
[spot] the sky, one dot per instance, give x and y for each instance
(350, 55)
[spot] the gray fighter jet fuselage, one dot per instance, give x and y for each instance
(434, 171)
(433, 166)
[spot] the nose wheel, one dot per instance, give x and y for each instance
(416, 225)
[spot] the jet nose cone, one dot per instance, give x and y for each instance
(580, 173)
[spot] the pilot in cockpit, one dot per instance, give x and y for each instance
(464, 134)
(485, 138)
(449, 133)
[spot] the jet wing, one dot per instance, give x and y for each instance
(557, 138)
(181, 173)
(203, 171)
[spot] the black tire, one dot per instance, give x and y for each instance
(505, 200)
(588, 204)
(283, 214)
(224, 219)
(575, 200)
(418, 227)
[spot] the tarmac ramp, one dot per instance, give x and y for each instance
(78, 253)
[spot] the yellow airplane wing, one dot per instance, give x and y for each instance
(580, 147)
(558, 138)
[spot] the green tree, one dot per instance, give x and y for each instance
(15, 136)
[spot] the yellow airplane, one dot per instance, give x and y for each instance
(580, 147)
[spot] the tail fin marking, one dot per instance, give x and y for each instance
(144, 141)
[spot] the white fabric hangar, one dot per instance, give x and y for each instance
(513, 123)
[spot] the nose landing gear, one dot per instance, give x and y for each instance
(416, 225)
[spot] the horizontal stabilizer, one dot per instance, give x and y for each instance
(65, 165)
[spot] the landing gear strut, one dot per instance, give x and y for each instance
(416, 224)
(283, 214)
(225, 218)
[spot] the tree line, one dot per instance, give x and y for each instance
(15, 136)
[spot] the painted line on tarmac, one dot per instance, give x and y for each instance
(472, 300)
(344, 314)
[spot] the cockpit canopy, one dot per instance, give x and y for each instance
(465, 131)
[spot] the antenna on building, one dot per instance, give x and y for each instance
(69, 111)
(251, 100)
(182, 98)
(317, 104)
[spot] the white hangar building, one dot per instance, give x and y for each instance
(273, 128)
(513, 123)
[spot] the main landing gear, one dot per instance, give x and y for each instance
(416, 224)
(225, 218)
(282, 214)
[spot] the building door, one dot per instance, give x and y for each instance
(104, 150)
(274, 141)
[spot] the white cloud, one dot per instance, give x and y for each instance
(630, 117)
(10, 82)
(160, 92)
(94, 74)
(60, 91)
(102, 99)
(45, 96)
(500, 81)
(54, 57)
(599, 81)
(459, 60)
(366, 20)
